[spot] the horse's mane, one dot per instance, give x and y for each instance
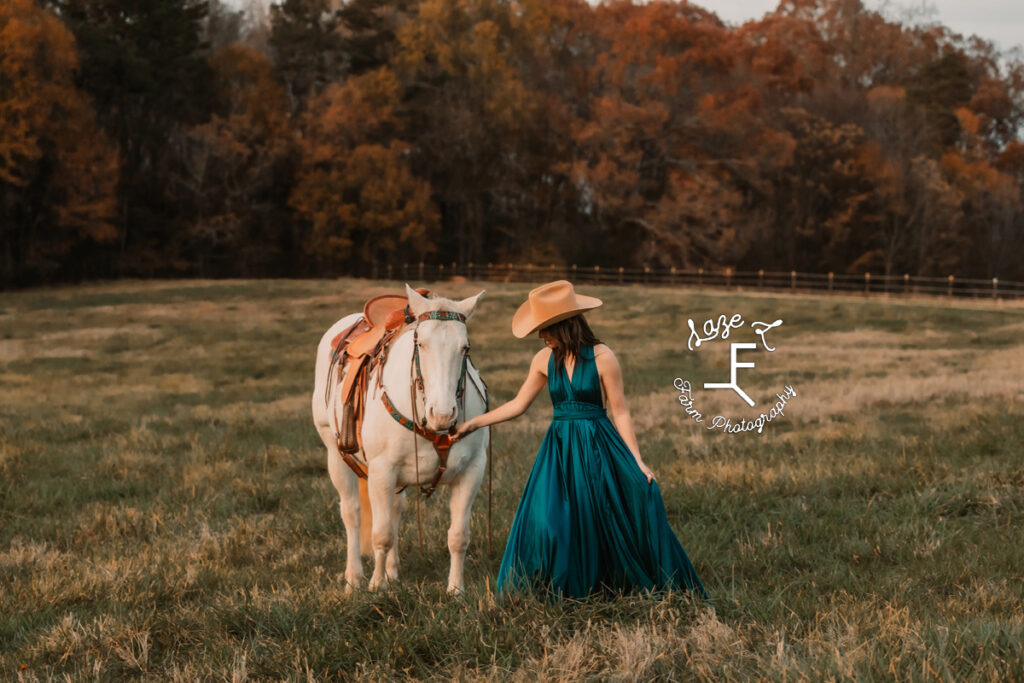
(436, 302)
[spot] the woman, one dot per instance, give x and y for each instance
(591, 517)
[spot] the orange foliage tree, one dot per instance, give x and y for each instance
(356, 188)
(58, 172)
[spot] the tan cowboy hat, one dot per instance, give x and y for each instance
(548, 304)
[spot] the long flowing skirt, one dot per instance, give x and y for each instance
(589, 520)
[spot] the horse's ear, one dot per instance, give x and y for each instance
(467, 306)
(417, 302)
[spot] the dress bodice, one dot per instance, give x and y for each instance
(579, 396)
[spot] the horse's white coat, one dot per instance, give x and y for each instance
(388, 446)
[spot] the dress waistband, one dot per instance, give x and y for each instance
(577, 410)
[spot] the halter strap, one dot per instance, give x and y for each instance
(441, 441)
(433, 315)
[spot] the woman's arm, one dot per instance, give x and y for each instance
(536, 378)
(611, 377)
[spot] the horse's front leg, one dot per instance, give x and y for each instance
(381, 485)
(391, 564)
(464, 490)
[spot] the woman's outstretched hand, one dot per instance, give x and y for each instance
(647, 472)
(463, 429)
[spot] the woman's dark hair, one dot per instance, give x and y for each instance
(570, 335)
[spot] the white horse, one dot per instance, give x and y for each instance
(388, 445)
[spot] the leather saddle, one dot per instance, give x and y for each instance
(356, 349)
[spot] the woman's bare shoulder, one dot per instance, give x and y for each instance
(540, 360)
(605, 358)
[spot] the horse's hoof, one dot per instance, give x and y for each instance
(353, 584)
(454, 590)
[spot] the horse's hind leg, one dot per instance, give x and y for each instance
(347, 484)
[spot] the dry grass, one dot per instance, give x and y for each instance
(166, 512)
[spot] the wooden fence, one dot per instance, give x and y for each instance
(778, 281)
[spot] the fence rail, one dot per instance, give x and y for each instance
(866, 283)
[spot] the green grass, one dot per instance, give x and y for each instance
(165, 511)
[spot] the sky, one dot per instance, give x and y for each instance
(999, 21)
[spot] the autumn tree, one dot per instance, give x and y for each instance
(356, 188)
(650, 149)
(476, 123)
(236, 168)
(990, 201)
(58, 171)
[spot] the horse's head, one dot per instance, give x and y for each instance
(442, 346)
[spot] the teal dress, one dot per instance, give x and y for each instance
(588, 520)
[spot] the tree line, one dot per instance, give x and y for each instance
(184, 137)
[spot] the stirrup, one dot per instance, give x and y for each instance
(348, 441)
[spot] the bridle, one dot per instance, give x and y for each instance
(441, 441)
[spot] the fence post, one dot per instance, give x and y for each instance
(405, 272)
(620, 275)
(760, 278)
(950, 291)
(469, 270)
(389, 271)
(831, 277)
(597, 274)
(574, 272)
(672, 275)
(995, 288)
(440, 271)
(421, 271)
(646, 271)
(792, 279)
(867, 282)
(906, 284)
(700, 277)
(728, 277)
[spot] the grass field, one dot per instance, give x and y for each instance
(165, 511)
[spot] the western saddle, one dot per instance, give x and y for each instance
(357, 350)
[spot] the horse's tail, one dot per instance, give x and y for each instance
(366, 520)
